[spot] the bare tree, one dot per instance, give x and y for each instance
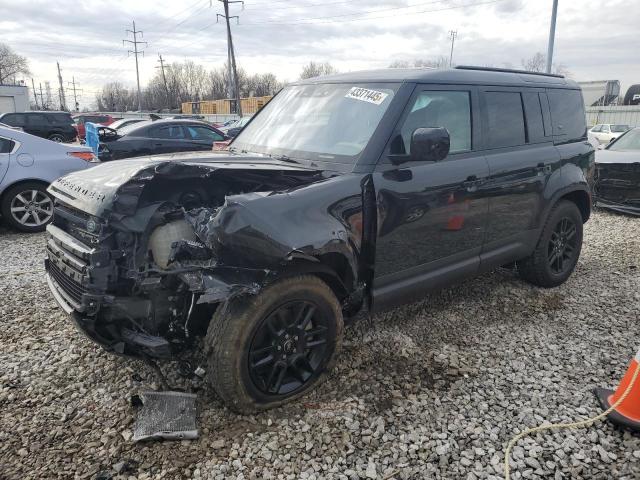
(313, 69)
(11, 65)
(538, 63)
(116, 98)
(438, 62)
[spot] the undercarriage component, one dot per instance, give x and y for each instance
(166, 415)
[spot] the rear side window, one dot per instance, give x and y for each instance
(203, 133)
(505, 119)
(567, 114)
(61, 118)
(169, 131)
(597, 128)
(6, 145)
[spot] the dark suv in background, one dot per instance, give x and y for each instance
(344, 195)
(55, 126)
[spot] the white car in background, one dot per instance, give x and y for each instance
(28, 164)
(603, 133)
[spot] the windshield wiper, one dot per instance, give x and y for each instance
(284, 158)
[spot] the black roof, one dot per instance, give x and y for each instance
(462, 75)
(45, 112)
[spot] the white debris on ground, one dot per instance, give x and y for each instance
(432, 390)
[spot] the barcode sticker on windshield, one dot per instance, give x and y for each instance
(366, 95)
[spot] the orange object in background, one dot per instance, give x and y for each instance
(627, 414)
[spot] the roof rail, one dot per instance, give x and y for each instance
(507, 70)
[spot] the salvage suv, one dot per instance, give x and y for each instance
(344, 195)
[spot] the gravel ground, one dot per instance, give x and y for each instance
(432, 390)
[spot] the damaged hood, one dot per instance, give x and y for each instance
(616, 156)
(97, 190)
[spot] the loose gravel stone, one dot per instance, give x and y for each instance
(430, 390)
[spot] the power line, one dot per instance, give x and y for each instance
(135, 43)
(234, 87)
(164, 80)
(311, 20)
(453, 34)
(63, 102)
(75, 90)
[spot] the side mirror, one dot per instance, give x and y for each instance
(430, 144)
(602, 146)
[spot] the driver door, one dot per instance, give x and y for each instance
(432, 216)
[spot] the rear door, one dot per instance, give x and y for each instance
(522, 158)
(38, 125)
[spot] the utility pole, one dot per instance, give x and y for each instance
(233, 72)
(552, 35)
(452, 34)
(164, 79)
(63, 102)
(75, 98)
(135, 43)
(44, 107)
(35, 94)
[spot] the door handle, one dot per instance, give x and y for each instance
(543, 168)
(472, 183)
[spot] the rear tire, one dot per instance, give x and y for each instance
(27, 207)
(558, 249)
(269, 349)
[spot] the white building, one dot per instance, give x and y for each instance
(14, 98)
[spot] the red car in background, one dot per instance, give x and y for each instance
(99, 118)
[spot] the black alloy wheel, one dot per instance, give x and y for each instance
(288, 348)
(558, 249)
(562, 246)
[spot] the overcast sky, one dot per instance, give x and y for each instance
(594, 40)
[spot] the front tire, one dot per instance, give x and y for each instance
(558, 249)
(27, 207)
(56, 137)
(269, 349)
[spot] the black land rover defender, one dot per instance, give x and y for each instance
(345, 194)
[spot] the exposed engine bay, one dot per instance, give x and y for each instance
(141, 256)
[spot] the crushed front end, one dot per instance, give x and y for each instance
(135, 257)
(617, 187)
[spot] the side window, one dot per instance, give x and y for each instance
(605, 129)
(533, 115)
(36, 119)
(505, 119)
(597, 128)
(448, 109)
(6, 145)
(203, 133)
(173, 132)
(567, 114)
(14, 120)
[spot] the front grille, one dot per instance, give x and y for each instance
(70, 287)
(74, 222)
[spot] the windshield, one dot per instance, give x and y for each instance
(619, 128)
(327, 122)
(628, 142)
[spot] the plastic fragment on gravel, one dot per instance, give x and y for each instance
(166, 415)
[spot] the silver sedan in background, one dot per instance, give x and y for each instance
(28, 164)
